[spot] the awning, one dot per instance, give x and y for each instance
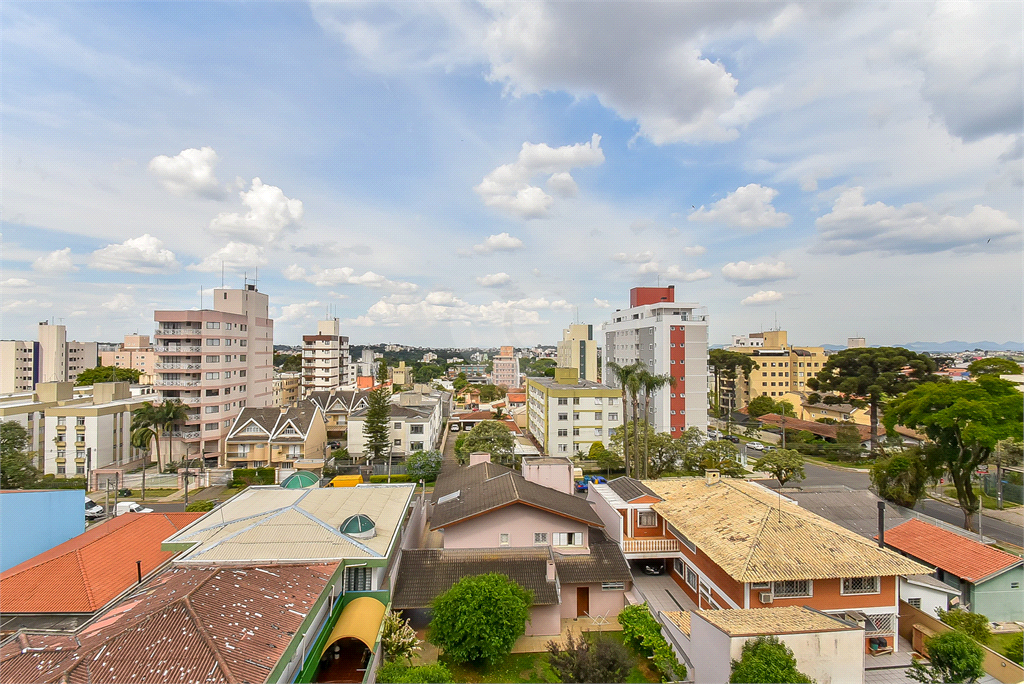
(358, 620)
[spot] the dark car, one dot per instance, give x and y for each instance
(733, 438)
(652, 567)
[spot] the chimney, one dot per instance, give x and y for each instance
(551, 571)
(138, 567)
(711, 477)
(479, 457)
(881, 524)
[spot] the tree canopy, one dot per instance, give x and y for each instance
(994, 366)
(727, 365)
(954, 658)
(16, 468)
(493, 437)
(902, 477)
(377, 426)
(966, 420)
(763, 404)
(479, 619)
(424, 465)
(783, 464)
(91, 376)
(766, 659)
(719, 455)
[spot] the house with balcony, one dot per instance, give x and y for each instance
(337, 405)
(733, 544)
(287, 438)
(417, 417)
(489, 518)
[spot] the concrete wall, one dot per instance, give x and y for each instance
(612, 520)
(519, 522)
(710, 652)
(606, 603)
(33, 521)
(544, 621)
(825, 657)
(931, 599)
(557, 476)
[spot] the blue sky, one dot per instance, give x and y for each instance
(458, 174)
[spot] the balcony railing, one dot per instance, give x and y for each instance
(178, 383)
(176, 349)
(179, 331)
(186, 435)
(178, 366)
(188, 400)
(650, 545)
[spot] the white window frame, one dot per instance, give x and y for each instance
(504, 539)
(568, 539)
(691, 577)
(540, 538)
(640, 516)
(613, 586)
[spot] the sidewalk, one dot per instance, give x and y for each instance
(1014, 516)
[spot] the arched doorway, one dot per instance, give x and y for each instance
(349, 647)
(345, 660)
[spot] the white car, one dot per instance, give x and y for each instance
(131, 507)
(756, 446)
(714, 434)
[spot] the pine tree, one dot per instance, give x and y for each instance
(377, 427)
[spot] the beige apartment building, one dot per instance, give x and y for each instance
(217, 362)
(325, 358)
(135, 352)
(506, 368)
(578, 349)
(782, 368)
(567, 414)
(287, 388)
(51, 358)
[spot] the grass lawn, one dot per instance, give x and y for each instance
(153, 493)
(863, 464)
(987, 501)
(999, 642)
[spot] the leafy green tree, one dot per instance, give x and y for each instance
(651, 384)
(489, 393)
(783, 464)
(974, 625)
(398, 638)
(872, 373)
(479, 619)
(728, 365)
(966, 420)
(994, 366)
(200, 506)
(954, 658)
(377, 426)
(902, 477)
(847, 442)
(766, 659)
(424, 465)
(579, 660)
(813, 398)
(643, 634)
(382, 371)
(493, 437)
(1015, 649)
(16, 468)
(721, 456)
(91, 376)
(605, 457)
(624, 377)
(427, 372)
(460, 382)
(760, 406)
(150, 423)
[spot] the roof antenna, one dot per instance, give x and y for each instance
(222, 274)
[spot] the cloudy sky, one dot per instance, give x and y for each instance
(457, 174)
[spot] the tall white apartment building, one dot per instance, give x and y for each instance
(670, 338)
(51, 358)
(325, 358)
(578, 349)
(215, 361)
(17, 366)
(506, 368)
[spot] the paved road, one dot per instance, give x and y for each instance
(819, 475)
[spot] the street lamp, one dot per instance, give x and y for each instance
(187, 466)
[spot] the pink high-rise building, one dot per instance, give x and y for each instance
(215, 361)
(506, 368)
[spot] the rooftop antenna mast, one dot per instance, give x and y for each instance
(222, 273)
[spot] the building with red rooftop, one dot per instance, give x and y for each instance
(989, 580)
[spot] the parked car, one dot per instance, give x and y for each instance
(770, 447)
(733, 438)
(93, 511)
(584, 484)
(652, 567)
(756, 446)
(130, 507)
(715, 434)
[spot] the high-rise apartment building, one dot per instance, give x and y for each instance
(578, 349)
(567, 414)
(325, 358)
(215, 361)
(782, 368)
(136, 352)
(18, 371)
(506, 368)
(51, 358)
(669, 338)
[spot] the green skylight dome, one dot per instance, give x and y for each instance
(359, 526)
(300, 480)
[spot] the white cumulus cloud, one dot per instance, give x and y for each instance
(297, 312)
(502, 242)
(12, 304)
(16, 282)
(190, 170)
(494, 280)
(145, 254)
(345, 275)
(749, 207)
(764, 271)
(673, 272)
(638, 258)
(55, 262)
(120, 302)
(270, 212)
(696, 250)
(602, 303)
(234, 256)
(762, 297)
(853, 226)
(508, 186)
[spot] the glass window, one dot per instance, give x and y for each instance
(792, 589)
(647, 519)
(563, 432)
(398, 442)
(860, 585)
(575, 416)
(612, 586)
(568, 539)
(563, 401)
(213, 426)
(212, 359)
(213, 376)
(358, 579)
(415, 446)
(914, 602)
(212, 325)
(598, 432)
(503, 539)
(213, 342)
(61, 470)
(563, 416)
(691, 578)
(398, 426)
(563, 448)
(540, 538)
(613, 416)
(212, 409)
(598, 415)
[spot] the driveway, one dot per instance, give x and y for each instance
(661, 592)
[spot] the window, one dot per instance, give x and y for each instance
(358, 579)
(503, 539)
(227, 326)
(613, 416)
(861, 585)
(575, 416)
(61, 453)
(792, 589)
(563, 416)
(915, 602)
(213, 409)
(568, 539)
(213, 426)
(540, 538)
(213, 376)
(241, 374)
(647, 519)
(575, 432)
(252, 427)
(415, 429)
(212, 325)
(213, 342)
(398, 442)
(212, 393)
(80, 469)
(613, 401)
(881, 623)
(80, 420)
(598, 432)
(61, 420)
(398, 426)
(613, 586)
(415, 446)
(563, 401)
(691, 578)
(563, 432)
(241, 357)
(61, 470)
(563, 448)
(597, 401)
(212, 359)
(1015, 585)
(598, 415)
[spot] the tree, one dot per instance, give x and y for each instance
(396, 673)
(170, 412)
(966, 420)
(651, 384)
(91, 376)
(427, 372)
(479, 619)
(460, 382)
(727, 364)
(994, 366)
(377, 426)
(16, 468)
(398, 637)
(150, 423)
(424, 465)
(604, 660)
(871, 373)
(719, 455)
(382, 371)
(760, 406)
(623, 375)
(783, 464)
(902, 477)
(200, 506)
(1015, 649)
(813, 398)
(974, 625)
(766, 659)
(142, 437)
(847, 442)
(953, 656)
(606, 458)
(493, 437)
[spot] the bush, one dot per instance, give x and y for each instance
(973, 625)
(1015, 649)
(424, 465)
(200, 506)
(954, 657)
(71, 483)
(643, 634)
(377, 479)
(766, 659)
(245, 477)
(396, 673)
(398, 638)
(604, 660)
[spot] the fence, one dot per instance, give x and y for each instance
(1012, 491)
(382, 469)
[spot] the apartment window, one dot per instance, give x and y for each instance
(568, 539)
(415, 429)
(213, 376)
(563, 448)
(213, 342)
(598, 415)
(647, 519)
(914, 602)
(415, 446)
(241, 374)
(613, 586)
(563, 401)
(563, 432)
(212, 325)
(563, 416)
(358, 579)
(294, 450)
(613, 416)
(241, 357)
(80, 420)
(212, 409)
(398, 426)
(575, 416)
(691, 578)
(398, 442)
(503, 539)
(613, 401)
(212, 393)
(598, 432)
(61, 420)
(792, 589)
(540, 538)
(61, 470)
(62, 453)
(861, 585)
(213, 426)
(597, 401)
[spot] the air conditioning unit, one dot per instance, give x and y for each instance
(765, 596)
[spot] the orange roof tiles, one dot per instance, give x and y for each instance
(965, 558)
(87, 572)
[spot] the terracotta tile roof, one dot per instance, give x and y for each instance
(187, 625)
(829, 430)
(965, 558)
(679, 618)
(754, 536)
(85, 573)
(787, 620)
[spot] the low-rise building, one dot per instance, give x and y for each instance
(136, 352)
(781, 368)
(567, 415)
(337, 405)
(400, 374)
(287, 388)
(417, 418)
(286, 438)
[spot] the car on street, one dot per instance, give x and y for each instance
(714, 434)
(130, 507)
(756, 446)
(733, 438)
(93, 511)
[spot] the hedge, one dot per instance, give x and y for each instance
(200, 506)
(51, 482)
(246, 476)
(384, 478)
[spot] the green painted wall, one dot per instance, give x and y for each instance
(997, 600)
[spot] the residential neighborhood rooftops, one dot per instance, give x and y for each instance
(965, 558)
(755, 536)
(758, 621)
(271, 524)
(464, 492)
(604, 563)
(854, 509)
(263, 423)
(552, 384)
(628, 489)
(86, 572)
(679, 618)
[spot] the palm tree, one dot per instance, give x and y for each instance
(171, 412)
(622, 375)
(147, 417)
(633, 386)
(142, 438)
(651, 384)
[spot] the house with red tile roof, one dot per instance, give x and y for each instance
(67, 585)
(989, 580)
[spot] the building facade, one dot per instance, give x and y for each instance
(325, 358)
(578, 349)
(51, 358)
(287, 438)
(566, 415)
(505, 370)
(216, 361)
(669, 338)
(137, 353)
(287, 388)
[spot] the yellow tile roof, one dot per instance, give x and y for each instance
(754, 537)
(757, 621)
(679, 618)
